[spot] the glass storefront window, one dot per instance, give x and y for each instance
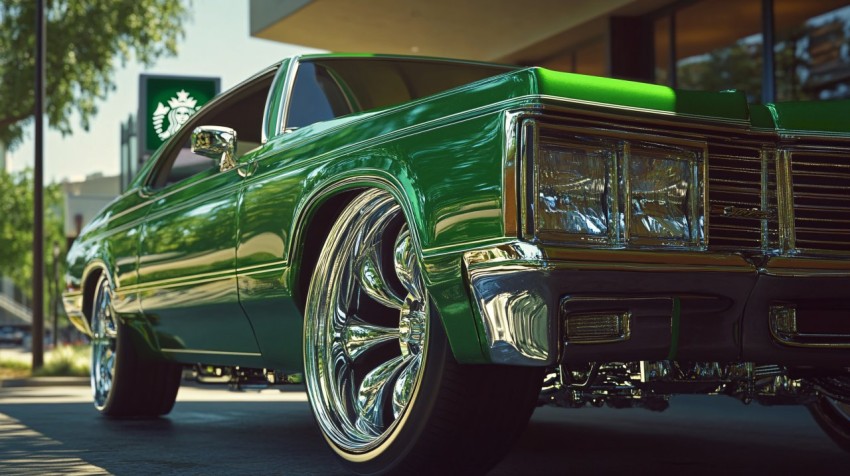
(812, 49)
(591, 58)
(588, 58)
(661, 30)
(719, 46)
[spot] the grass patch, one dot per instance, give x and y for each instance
(65, 361)
(13, 368)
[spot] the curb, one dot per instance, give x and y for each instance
(44, 382)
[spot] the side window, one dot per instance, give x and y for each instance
(241, 110)
(187, 164)
(316, 96)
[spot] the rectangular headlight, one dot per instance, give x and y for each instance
(573, 193)
(661, 195)
(615, 189)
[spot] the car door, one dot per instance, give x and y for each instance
(187, 253)
(187, 263)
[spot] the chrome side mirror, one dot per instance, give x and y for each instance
(215, 142)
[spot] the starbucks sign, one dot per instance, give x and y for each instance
(167, 102)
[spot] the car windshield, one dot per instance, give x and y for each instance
(328, 88)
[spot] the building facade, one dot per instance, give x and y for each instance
(687, 44)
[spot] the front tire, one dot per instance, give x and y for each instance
(833, 415)
(385, 389)
(123, 383)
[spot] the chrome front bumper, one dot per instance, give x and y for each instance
(73, 303)
(680, 305)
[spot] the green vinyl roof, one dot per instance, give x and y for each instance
(728, 105)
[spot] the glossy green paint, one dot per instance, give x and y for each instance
(262, 254)
(187, 283)
(819, 117)
(420, 164)
(224, 246)
(761, 117)
(109, 244)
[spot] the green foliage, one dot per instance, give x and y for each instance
(84, 41)
(66, 361)
(16, 227)
(14, 364)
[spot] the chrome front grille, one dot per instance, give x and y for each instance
(821, 196)
(742, 198)
(767, 193)
(745, 213)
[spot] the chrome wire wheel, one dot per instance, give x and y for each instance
(367, 326)
(104, 344)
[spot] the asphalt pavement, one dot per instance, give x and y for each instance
(55, 430)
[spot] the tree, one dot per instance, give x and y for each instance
(16, 225)
(85, 38)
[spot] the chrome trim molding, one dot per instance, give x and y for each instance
(282, 70)
(785, 201)
(512, 301)
(597, 327)
(651, 112)
(510, 167)
(782, 320)
(73, 304)
(283, 111)
(209, 352)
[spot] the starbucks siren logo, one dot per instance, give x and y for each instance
(177, 112)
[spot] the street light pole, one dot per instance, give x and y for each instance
(38, 196)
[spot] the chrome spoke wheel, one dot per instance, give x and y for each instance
(366, 329)
(104, 341)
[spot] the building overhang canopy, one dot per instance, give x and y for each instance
(486, 30)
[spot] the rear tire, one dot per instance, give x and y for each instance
(123, 383)
(385, 389)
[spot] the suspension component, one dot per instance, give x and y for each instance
(650, 384)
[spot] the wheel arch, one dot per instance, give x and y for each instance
(91, 276)
(318, 215)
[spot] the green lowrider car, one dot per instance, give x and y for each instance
(436, 247)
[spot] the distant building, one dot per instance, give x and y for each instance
(14, 306)
(85, 198)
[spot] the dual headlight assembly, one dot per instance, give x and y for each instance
(607, 189)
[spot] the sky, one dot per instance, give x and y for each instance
(219, 26)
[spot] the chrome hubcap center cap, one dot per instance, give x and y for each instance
(411, 327)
